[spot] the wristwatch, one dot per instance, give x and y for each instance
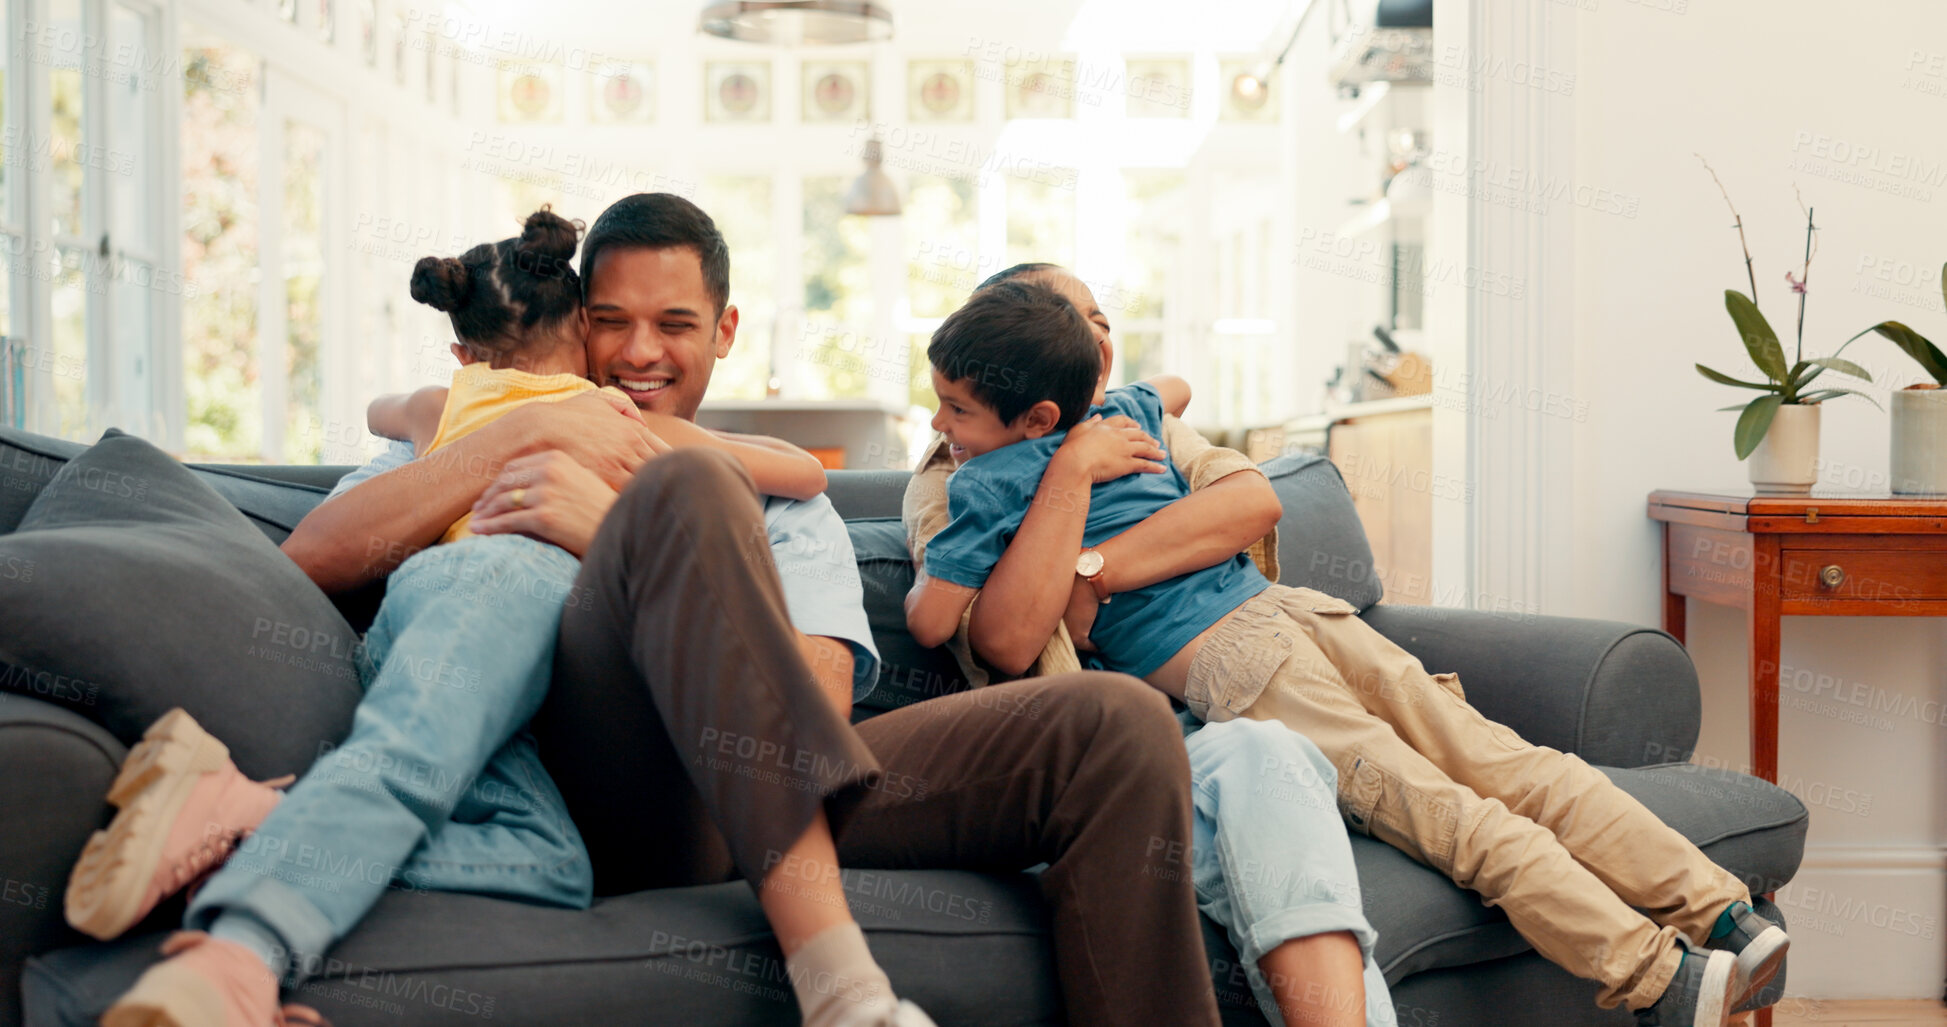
(1089, 565)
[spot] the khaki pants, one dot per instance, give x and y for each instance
(1539, 833)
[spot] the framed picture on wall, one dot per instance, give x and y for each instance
(737, 91)
(939, 90)
(837, 91)
(530, 94)
(1158, 87)
(1042, 88)
(327, 20)
(1239, 101)
(621, 92)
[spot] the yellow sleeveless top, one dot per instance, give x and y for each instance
(480, 394)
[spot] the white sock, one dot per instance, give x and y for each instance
(838, 981)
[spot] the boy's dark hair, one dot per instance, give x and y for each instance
(498, 293)
(657, 221)
(1029, 268)
(1016, 344)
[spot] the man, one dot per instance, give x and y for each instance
(692, 636)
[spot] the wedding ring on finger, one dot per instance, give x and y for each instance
(518, 497)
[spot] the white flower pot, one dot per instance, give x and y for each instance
(1787, 460)
(1919, 441)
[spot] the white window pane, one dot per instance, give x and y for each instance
(129, 162)
(221, 391)
(942, 244)
(837, 294)
(64, 52)
(69, 297)
(741, 207)
(7, 132)
(133, 293)
(304, 214)
(1041, 221)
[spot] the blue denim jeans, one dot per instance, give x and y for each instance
(1269, 853)
(438, 786)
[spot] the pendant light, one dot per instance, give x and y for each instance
(872, 193)
(798, 22)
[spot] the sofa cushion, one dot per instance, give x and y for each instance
(54, 768)
(908, 671)
(1321, 542)
(273, 498)
(969, 948)
(27, 463)
(136, 587)
(1753, 829)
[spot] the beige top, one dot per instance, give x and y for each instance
(925, 513)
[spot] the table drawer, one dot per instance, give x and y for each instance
(1870, 574)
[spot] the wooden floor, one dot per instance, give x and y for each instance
(1813, 1012)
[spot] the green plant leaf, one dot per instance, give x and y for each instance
(1842, 366)
(1943, 283)
(1824, 394)
(1925, 353)
(1759, 339)
(1753, 423)
(1725, 379)
(1733, 406)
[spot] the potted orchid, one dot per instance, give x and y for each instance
(1779, 430)
(1920, 412)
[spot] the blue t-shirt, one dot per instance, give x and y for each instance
(1137, 631)
(813, 553)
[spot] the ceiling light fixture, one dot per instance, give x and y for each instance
(872, 193)
(798, 22)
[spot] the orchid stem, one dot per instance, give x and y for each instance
(1804, 285)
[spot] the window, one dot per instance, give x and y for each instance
(1135, 299)
(741, 207)
(305, 151)
(222, 393)
(82, 268)
(942, 244)
(837, 295)
(66, 178)
(1041, 219)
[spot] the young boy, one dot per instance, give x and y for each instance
(1535, 831)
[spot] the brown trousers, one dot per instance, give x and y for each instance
(691, 743)
(1535, 831)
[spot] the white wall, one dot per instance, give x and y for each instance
(1760, 89)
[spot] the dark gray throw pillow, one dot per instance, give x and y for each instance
(131, 587)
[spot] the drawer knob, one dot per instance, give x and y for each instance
(1832, 576)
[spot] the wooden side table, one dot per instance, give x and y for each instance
(1827, 553)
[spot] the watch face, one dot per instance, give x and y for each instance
(1089, 564)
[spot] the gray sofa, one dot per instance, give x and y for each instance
(1622, 696)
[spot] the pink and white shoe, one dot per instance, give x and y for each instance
(184, 807)
(207, 982)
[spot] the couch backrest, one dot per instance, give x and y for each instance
(1322, 545)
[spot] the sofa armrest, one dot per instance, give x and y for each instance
(1616, 694)
(55, 768)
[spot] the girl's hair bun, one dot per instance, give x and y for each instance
(441, 283)
(548, 240)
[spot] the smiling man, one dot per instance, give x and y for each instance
(710, 624)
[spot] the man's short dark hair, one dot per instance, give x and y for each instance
(1015, 344)
(658, 221)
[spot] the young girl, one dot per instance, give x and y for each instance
(438, 786)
